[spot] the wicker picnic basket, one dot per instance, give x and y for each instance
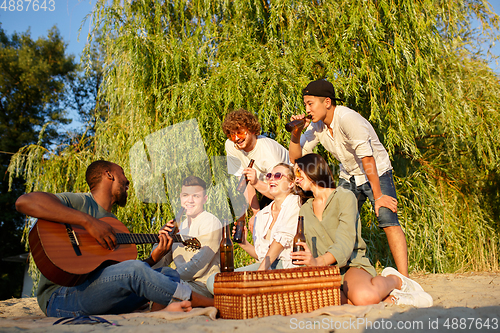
(243, 295)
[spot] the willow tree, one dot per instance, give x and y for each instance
(413, 68)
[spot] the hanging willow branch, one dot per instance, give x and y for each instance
(411, 67)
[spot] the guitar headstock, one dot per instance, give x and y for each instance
(192, 244)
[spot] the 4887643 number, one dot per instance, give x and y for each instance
(26, 5)
(471, 323)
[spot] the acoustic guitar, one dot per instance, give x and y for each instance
(66, 254)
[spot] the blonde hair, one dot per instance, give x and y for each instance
(290, 176)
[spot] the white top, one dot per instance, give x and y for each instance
(353, 138)
(283, 231)
(267, 153)
(196, 265)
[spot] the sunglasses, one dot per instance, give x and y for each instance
(276, 176)
(240, 135)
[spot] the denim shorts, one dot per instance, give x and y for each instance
(386, 217)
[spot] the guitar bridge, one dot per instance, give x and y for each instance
(73, 239)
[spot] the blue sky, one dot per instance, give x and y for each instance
(68, 15)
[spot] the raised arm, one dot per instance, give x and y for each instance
(301, 143)
(295, 149)
(257, 184)
(245, 245)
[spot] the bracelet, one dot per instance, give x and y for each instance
(379, 197)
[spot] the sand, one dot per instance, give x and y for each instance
(467, 302)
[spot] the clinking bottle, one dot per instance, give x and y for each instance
(242, 185)
(176, 220)
(296, 123)
(240, 226)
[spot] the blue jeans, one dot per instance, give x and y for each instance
(119, 288)
(386, 217)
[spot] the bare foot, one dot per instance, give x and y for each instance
(184, 306)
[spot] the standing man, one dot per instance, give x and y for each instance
(114, 289)
(365, 166)
(245, 143)
(194, 266)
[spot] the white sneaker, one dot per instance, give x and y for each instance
(407, 285)
(419, 299)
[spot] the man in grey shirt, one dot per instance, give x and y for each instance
(114, 289)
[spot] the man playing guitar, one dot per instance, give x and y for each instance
(118, 288)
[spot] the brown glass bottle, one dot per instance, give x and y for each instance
(226, 250)
(176, 219)
(296, 123)
(299, 237)
(242, 185)
(240, 226)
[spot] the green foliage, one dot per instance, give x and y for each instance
(31, 86)
(413, 68)
(82, 93)
(32, 79)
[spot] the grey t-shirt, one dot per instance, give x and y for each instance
(84, 202)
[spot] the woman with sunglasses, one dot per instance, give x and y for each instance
(275, 224)
(333, 237)
(275, 227)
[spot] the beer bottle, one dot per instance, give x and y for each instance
(296, 123)
(240, 226)
(299, 237)
(242, 185)
(176, 220)
(226, 250)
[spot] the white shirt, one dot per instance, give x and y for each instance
(353, 138)
(196, 265)
(267, 153)
(283, 231)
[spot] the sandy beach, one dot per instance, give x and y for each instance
(468, 302)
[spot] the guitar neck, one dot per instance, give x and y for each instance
(124, 238)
